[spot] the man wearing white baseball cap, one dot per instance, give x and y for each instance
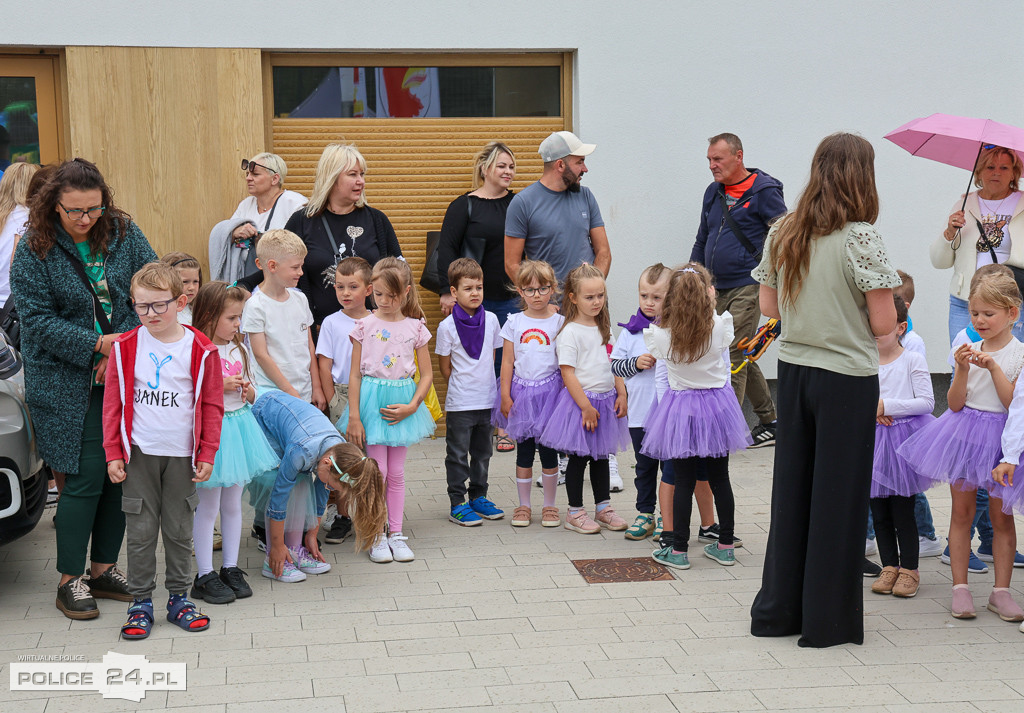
(556, 219)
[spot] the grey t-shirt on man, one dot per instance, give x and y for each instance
(555, 225)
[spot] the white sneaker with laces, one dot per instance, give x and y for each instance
(614, 479)
(870, 547)
(929, 548)
(329, 514)
(399, 550)
(308, 563)
(379, 551)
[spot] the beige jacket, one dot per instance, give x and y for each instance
(964, 259)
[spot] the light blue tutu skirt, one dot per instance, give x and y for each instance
(375, 394)
(301, 509)
(244, 451)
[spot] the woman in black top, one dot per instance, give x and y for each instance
(337, 224)
(474, 226)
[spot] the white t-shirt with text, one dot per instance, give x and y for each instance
(164, 394)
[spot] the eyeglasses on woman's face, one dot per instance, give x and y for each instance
(77, 214)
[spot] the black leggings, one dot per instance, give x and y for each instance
(687, 472)
(525, 451)
(896, 531)
(598, 479)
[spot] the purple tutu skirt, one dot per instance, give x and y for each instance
(564, 430)
(959, 447)
(890, 474)
(531, 406)
(695, 422)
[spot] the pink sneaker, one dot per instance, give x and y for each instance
(580, 522)
(1002, 604)
(963, 604)
(609, 519)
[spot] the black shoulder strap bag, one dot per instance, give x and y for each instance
(79, 268)
(734, 226)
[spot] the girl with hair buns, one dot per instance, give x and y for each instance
(698, 421)
(963, 446)
(825, 273)
(314, 460)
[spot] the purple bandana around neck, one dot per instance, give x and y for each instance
(470, 329)
(637, 323)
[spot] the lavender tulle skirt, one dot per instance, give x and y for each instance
(890, 474)
(531, 406)
(959, 447)
(695, 422)
(564, 430)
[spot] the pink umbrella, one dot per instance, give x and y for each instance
(956, 140)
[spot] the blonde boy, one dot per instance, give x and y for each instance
(278, 321)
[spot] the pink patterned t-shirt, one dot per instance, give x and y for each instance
(389, 348)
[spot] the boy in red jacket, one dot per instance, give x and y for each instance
(162, 411)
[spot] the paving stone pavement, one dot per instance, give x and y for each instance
(496, 618)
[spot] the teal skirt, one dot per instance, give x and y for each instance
(375, 394)
(244, 451)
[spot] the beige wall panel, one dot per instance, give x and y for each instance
(168, 128)
(415, 168)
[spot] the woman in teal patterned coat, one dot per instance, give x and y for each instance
(73, 221)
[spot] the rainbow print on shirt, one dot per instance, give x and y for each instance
(535, 335)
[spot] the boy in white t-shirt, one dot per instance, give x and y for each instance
(334, 359)
(466, 341)
(278, 321)
(162, 410)
(334, 348)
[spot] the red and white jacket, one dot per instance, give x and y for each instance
(119, 401)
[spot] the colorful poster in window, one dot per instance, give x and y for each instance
(408, 92)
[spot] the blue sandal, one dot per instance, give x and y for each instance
(140, 620)
(184, 613)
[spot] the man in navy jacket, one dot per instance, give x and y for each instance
(739, 206)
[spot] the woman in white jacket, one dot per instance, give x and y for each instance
(991, 229)
(269, 205)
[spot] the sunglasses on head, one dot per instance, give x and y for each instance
(251, 166)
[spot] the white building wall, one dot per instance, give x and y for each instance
(653, 80)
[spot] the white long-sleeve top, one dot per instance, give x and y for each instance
(1013, 432)
(905, 386)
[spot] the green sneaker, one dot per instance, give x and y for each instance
(657, 530)
(641, 528)
(726, 557)
(670, 559)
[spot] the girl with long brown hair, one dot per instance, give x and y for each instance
(698, 421)
(588, 417)
(308, 444)
(244, 451)
(825, 273)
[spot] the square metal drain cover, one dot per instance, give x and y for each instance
(622, 569)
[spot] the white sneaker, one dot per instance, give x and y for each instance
(929, 548)
(289, 573)
(308, 563)
(870, 547)
(399, 550)
(563, 463)
(329, 514)
(614, 479)
(379, 551)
